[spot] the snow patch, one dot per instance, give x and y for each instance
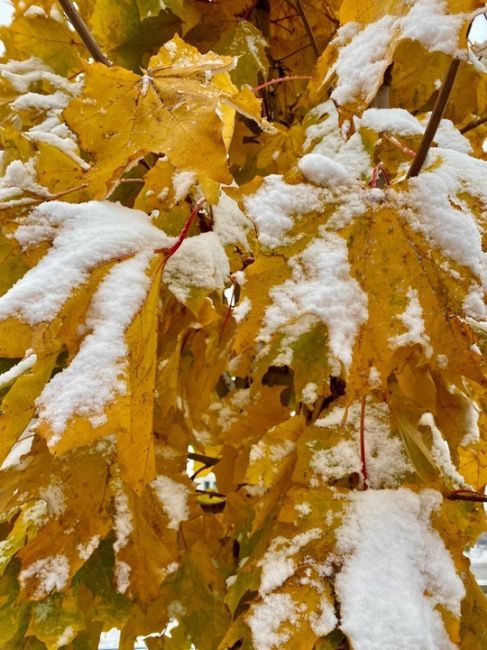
(200, 262)
(51, 573)
(387, 543)
(320, 289)
(173, 497)
(412, 318)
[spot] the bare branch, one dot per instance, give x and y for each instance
(82, 28)
(473, 125)
(435, 119)
(201, 458)
(307, 27)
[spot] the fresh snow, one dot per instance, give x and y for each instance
(266, 618)
(386, 459)
(200, 262)
(363, 60)
(86, 550)
(325, 137)
(123, 519)
(278, 564)
(309, 393)
(18, 369)
(398, 120)
(52, 574)
(96, 374)
(122, 576)
(320, 289)
(21, 74)
(412, 319)
(395, 572)
(431, 23)
(20, 177)
(173, 497)
(52, 129)
(83, 237)
(326, 621)
(440, 452)
(21, 447)
(365, 51)
(324, 171)
(432, 206)
(274, 204)
(229, 222)
(182, 183)
(241, 310)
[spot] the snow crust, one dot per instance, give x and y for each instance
(396, 572)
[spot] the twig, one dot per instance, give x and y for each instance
(82, 28)
(5, 205)
(397, 143)
(279, 80)
(473, 125)
(168, 252)
(362, 444)
(435, 118)
(209, 461)
(212, 494)
(307, 27)
(467, 495)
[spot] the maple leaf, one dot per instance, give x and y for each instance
(242, 376)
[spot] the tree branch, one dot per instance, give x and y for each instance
(362, 444)
(209, 461)
(435, 118)
(473, 125)
(307, 27)
(279, 80)
(82, 28)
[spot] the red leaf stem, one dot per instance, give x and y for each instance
(279, 80)
(362, 444)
